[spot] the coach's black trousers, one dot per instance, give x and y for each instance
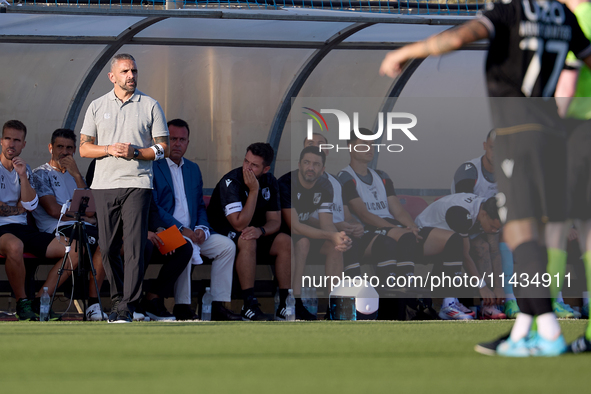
(123, 214)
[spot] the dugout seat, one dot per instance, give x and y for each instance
(413, 204)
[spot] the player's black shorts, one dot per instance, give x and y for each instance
(34, 241)
(91, 234)
(371, 232)
(579, 172)
(424, 234)
(530, 168)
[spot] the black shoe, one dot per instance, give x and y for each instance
(221, 313)
(301, 313)
(24, 310)
(281, 312)
(156, 310)
(579, 345)
(120, 317)
(490, 348)
(425, 310)
(36, 306)
(252, 312)
(115, 301)
(184, 312)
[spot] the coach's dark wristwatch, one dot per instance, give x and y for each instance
(263, 232)
(136, 153)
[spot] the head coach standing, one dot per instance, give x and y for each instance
(124, 130)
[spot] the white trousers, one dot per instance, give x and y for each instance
(223, 251)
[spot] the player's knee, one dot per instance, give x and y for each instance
(13, 248)
(283, 243)
(407, 247)
(303, 244)
(383, 249)
(454, 248)
(247, 245)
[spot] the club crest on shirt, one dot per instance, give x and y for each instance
(299, 195)
(375, 194)
(317, 197)
(228, 181)
(266, 193)
(107, 115)
(231, 235)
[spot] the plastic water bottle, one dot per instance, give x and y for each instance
(276, 301)
(45, 300)
(306, 297)
(290, 304)
(313, 301)
(206, 305)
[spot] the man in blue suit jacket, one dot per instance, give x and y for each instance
(178, 191)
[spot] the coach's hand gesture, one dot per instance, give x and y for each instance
(251, 181)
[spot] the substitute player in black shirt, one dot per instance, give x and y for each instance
(310, 193)
(529, 41)
(245, 207)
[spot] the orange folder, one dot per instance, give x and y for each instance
(172, 239)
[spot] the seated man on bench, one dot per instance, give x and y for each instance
(245, 207)
(16, 236)
(55, 182)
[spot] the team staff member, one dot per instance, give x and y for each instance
(118, 130)
(528, 44)
(245, 207)
(178, 191)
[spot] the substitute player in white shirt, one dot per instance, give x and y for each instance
(55, 183)
(465, 214)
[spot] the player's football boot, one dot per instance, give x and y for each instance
(579, 345)
(451, 312)
(561, 312)
(465, 310)
(491, 313)
(511, 309)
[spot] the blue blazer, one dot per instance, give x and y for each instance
(164, 193)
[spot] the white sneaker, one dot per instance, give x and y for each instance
(137, 316)
(93, 313)
(452, 312)
(464, 309)
(491, 313)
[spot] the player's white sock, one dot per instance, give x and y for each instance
(521, 327)
(448, 301)
(585, 298)
(548, 326)
(559, 298)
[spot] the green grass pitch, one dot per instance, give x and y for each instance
(275, 357)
